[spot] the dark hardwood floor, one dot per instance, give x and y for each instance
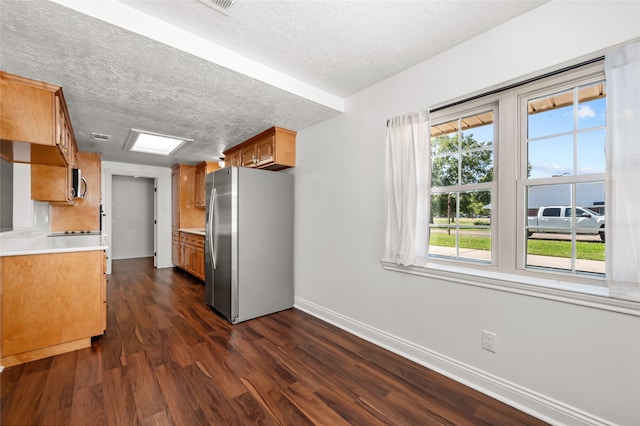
(167, 359)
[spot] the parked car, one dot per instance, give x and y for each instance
(557, 220)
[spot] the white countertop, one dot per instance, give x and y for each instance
(197, 231)
(26, 243)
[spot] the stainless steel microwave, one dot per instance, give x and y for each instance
(78, 184)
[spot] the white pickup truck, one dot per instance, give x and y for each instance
(557, 220)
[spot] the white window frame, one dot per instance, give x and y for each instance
(456, 113)
(581, 77)
(507, 272)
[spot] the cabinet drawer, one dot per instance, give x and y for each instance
(192, 239)
(175, 235)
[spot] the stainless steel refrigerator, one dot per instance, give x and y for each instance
(249, 242)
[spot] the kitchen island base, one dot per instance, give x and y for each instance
(51, 303)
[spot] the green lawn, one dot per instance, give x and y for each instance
(584, 249)
(475, 242)
(588, 250)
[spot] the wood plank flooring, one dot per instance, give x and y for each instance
(167, 359)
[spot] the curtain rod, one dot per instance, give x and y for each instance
(520, 83)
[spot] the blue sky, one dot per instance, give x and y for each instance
(551, 139)
(551, 148)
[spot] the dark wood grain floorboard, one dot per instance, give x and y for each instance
(168, 359)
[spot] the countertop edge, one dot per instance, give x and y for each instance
(196, 231)
(51, 250)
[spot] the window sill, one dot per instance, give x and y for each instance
(565, 292)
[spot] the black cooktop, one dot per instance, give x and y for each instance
(73, 233)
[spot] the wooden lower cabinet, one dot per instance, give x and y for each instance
(103, 293)
(199, 262)
(188, 252)
(50, 304)
(175, 248)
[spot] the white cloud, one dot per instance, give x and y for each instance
(586, 112)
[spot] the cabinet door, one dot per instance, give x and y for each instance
(50, 299)
(175, 252)
(103, 315)
(233, 159)
(184, 213)
(199, 262)
(265, 150)
(27, 110)
(34, 124)
(186, 256)
(51, 183)
(175, 197)
(201, 173)
(248, 156)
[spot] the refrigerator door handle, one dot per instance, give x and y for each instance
(213, 228)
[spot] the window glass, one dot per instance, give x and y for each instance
(591, 106)
(444, 171)
(547, 202)
(460, 227)
(550, 115)
(591, 152)
(566, 140)
(462, 154)
(551, 157)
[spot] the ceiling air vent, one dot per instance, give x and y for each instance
(100, 137)
(221, 6)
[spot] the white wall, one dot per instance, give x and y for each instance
(564, 362)
(6, 196)
(23, 207)
(132, 209)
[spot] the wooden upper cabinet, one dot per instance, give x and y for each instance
(273, 149)
(51, 183)
(54, 183)
(232, 158)
(34, 125)
(265, 150)
(202, 169)
(248, 156)
(184, 213)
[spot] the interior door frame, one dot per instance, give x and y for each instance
(162, 206)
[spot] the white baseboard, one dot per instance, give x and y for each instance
(545, 408)
(123, 256)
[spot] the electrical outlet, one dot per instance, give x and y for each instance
(489, 341)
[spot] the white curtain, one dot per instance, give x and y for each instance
(407, 180)
(622, 70)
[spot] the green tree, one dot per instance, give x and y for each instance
(468, 162)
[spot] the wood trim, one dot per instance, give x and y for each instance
(34, 355)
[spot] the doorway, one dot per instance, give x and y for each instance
(162, 179)
(133, 217)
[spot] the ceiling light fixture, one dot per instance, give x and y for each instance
(153, 143)
(218, 5)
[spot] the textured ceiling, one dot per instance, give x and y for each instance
(115, 79)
